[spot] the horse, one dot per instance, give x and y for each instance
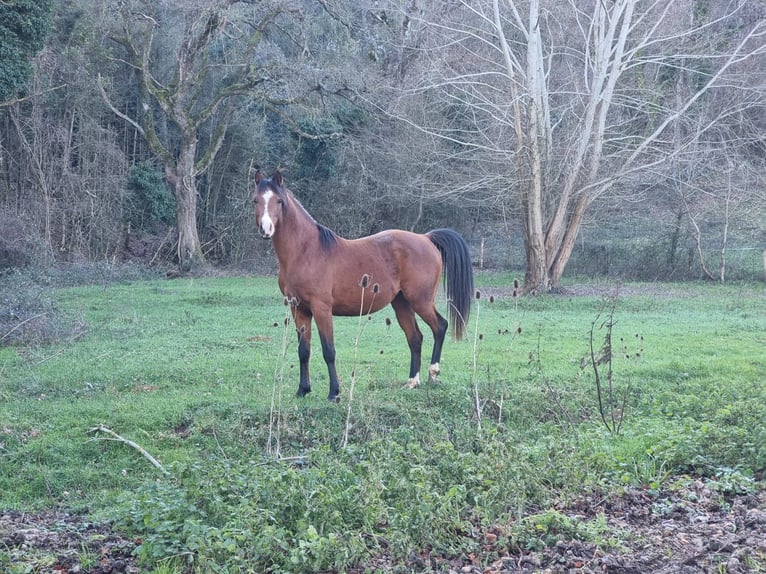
(322, 275)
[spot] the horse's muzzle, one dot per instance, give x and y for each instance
(266, 230)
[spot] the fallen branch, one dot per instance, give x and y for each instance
(8, 334)
(298, 460)
(139, 448)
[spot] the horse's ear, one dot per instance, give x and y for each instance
(258, 175)
(277, 178)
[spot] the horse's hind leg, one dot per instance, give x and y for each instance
(406, 318)
(438, 325)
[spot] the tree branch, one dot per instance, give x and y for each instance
(115, 111)
(130, 443)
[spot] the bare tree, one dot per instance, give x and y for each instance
(213, 65)
(558, 103)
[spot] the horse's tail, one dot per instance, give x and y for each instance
(458, 276)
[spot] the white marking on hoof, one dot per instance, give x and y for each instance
(433, 373)
(413, 382)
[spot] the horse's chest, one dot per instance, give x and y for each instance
(303, 286)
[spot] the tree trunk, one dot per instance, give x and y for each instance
(562, 255)
(674, 243)
(536, 278)
(182, 180)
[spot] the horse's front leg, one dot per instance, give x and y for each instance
(303, 327)
(323, 318)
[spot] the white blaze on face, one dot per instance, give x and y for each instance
(266, 223)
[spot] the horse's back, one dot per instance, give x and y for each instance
(403, 251)
(414, 260)
(367, 273)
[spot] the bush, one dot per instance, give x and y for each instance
(27, 312)
(16, 247)
(150, 201)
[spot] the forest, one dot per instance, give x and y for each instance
(622, 139)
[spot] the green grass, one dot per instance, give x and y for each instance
(188, 369)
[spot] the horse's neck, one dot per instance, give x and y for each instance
(297, 238)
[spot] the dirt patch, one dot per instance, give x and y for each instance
(687, 526)
(59, 542)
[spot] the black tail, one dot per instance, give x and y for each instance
(458, 276)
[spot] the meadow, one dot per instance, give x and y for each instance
(201, 373)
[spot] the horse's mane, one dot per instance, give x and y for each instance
(327, 237)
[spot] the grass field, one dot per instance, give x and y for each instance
(201, 373)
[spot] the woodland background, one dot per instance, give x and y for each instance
(624, 138)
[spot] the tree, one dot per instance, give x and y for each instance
(23, 27)
(558, 103)
(214, 66)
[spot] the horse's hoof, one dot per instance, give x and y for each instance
(433, 373)
(413, 382)
(302, 392)
(334, 399)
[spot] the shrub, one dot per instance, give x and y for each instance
(28, 314)
(150, 201)
(16, 247)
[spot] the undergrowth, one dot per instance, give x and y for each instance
(332, 509)
(202, 373)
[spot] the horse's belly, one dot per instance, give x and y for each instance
(370, 304)
(352, 299)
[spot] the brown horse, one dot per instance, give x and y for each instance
(322, 274)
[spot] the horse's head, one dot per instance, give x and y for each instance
(269, 198)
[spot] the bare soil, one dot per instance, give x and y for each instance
(687, 526)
